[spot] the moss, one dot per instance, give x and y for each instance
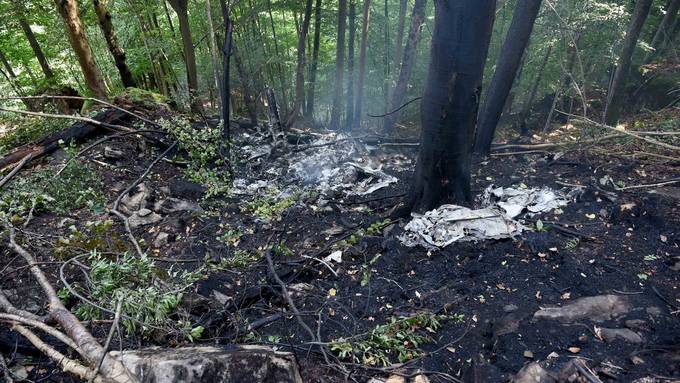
(144, 96)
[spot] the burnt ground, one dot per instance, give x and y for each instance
(606, 241)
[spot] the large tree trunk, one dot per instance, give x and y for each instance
(309, 110)
(339, 66)
(460, 43)
(349, 113)
(181, 9)
(32, 41)
(509, 61)
(618, 86)
(401, 23)
(116, 50)
(68, 9)
(300, 69)
(665, 31)
(358, 107)
(417, 18)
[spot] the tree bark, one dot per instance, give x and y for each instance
(181, 9)
(358, 108)
(33, 42)
(349, 113)
(460, 43)
(300, 70)
(664, 32)
(616, 91)
(68, 9)
(336, 110)
(524, 114)
(516, 41)
(386, 56)
(104, 17)
(213, 53)
(279, 67)
(250, 104)
(401, 24)
(417, 18)
(309, 110)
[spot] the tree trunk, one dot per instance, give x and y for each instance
(336, 110)
(250, 104)
(226, 90)
(386, 57)
(664, 32)
(362, 65)
(181, 9)
(35, 46)
(349, 113)
(401, 23)
(68, 9)
(460, 43)
(309, 111)
(213, 53)
(116, 50)
(300, 70)
(616, 91)
(282, 77)
(417, 18)
(524, 114)
(509, 60)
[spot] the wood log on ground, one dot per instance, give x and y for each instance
(255, 364)
(78, 132)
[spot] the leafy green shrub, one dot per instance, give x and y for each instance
(268, 209)
(20, 130)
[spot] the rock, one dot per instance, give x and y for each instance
(507, 325)
(220, 297)
(161, 240)
(142, 218)
(396, 379)
(421, 379)
(172, 205)
(136, 199)
(533, 373)
(611, 334)
(637, 324)
(510, 308)
(597, 308)
(112, 154)
(180, 188)
(528, 354)
(256, 364)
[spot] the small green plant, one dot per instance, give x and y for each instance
(267, 209)
(282, 250)
(377, 227)
(239, 260)
(572, 243)
(400, 338)
(150, 295)
(230, 237)
(22, 130)
(95, 235)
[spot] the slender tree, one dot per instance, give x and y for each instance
(339, 66)
(104, 17)
(508, 63)
(300, 69)
(68, 9)
(417, 18)
(213, 52)
(526, 108)
(181, 9)
(32, 40)
(349, 115)
(618, 85)
(401, 24)
(358, 107)
(665, 30)
(460, 41)
(309, 110)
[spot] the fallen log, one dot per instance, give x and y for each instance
(78, 132)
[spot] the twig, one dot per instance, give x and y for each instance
(112, 330)
(16, 169)
(585, 371)
(5, 370)
(396, 110)
(67, 117)
(648, 185)
(626, 132)
(41, 326)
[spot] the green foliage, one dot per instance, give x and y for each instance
(239, 260)
(150, 295)
(143, 96)
(20, 130)
(400, 338)
(206, 164)
(267, 208)
(95, 235)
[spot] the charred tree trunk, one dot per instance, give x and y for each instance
(386, 56)
(407, 62)
(226, 90)
(300, 69)
(68, 9)
(116, 50)
(349, 113)
(336, 110)
(362, 65)
(279, 67)
(509, 61)
(309, 110)
(181, 9)
(33, 42)
(401, 24)
(460, 43)
(618, 86)
(524, 114)
(664, 33)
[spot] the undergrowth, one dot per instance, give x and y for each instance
(400, 338)
(267, 208)
(20, 130)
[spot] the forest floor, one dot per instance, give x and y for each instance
(474, 303)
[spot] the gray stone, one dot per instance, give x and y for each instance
(533, 373)
(612, 334)
(172, 205)
(597, 309)
(161, 240)
(136, 200)
(145, 218)
(254, 364)
(510, 308)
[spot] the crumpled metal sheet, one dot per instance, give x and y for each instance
(447, 224)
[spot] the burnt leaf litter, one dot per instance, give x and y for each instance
(585, 286)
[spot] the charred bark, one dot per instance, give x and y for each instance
(460, 43)
(358, 108)
(509, 61)
(349, 113)
(309, 110)
(181, 9)
(300, 69)
(118, 53)
(336, 110)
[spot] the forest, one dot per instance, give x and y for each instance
(380, 191)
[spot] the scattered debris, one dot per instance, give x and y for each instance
(596, 308)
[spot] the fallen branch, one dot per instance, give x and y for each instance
(670, 182)
(69, 117)
(5, 371)
(16, 169)
(639, 136)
